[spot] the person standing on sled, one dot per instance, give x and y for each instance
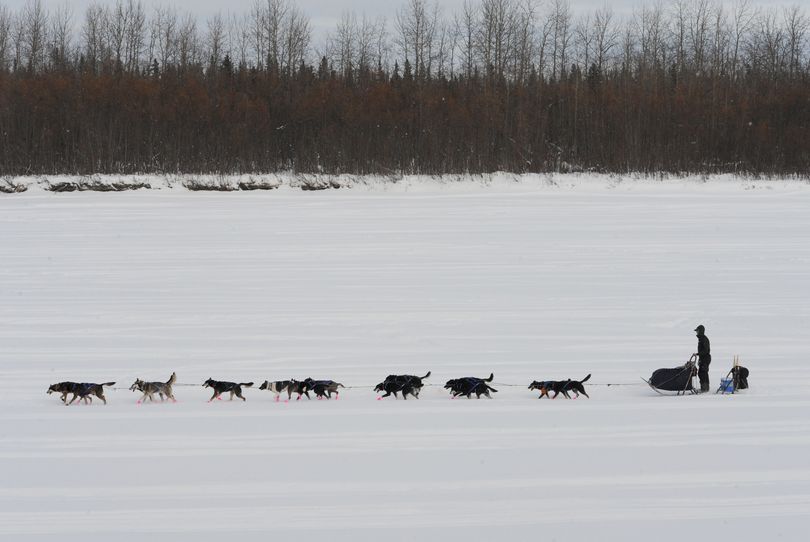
(704, 358)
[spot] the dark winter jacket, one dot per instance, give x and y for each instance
(704, 350)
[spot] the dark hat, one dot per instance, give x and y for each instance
(700, 328)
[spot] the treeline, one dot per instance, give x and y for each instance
(514, 85)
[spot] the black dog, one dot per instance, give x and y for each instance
(299, 387)
(82, 391)
(394, 387)
(407, 384)
(222, 387)
(469, 385)
(323, 388)
(64, 388)
(560, 386)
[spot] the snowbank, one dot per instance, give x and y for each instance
(402, 183)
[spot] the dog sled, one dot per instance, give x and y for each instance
(679, 380)
(735, 380)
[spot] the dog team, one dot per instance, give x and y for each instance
(323, 389)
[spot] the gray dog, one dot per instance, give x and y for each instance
(149, 389)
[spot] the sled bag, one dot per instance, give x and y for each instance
(677, 379)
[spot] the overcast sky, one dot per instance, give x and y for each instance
(324, 14)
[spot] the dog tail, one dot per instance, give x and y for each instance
(246, 384)
(424, 377)
(172, 379)
(586, 378)
(491, 377)
(109, 384)
(339, 385)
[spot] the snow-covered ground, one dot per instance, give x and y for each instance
(529, 280)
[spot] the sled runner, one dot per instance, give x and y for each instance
(678, 379)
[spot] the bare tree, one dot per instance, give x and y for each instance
(678, 31)
(742, 16)
(525, 21)
(796, 25)
(584, 39)
(61, 34)
(719, 42)
(342, 45)
(606, 36)
(416, 25)
(652, 42)
(297, 36)
(35, 27)
(466, 23)
(382, 45)
(561, 37)
(256, 24)
(274, 16)
(93, 35)
(496, 31)
(545, 33)
(698, 33)
(134, 35)
(767, 51)
(215, 41)
(188, 43)
(164, 36)
(444, 48)
(241, 31)
(117, 20)
(6, 25)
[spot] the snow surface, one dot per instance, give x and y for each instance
(529, 280)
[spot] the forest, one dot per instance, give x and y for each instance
(685, 86)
